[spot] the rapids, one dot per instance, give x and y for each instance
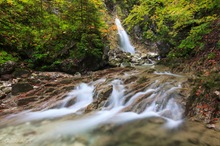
(134, 106)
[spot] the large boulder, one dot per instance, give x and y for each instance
(7, 68)
(21, 88)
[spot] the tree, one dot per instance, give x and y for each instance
(44, 32)
(180, 23)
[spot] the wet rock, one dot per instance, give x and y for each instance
(130, 79)
(7, 67)
(210, 126)
(157, 120)
(125, 64)
(20, 88)
(25, 101)
(78, 144)
(167, 114)
(119, 58)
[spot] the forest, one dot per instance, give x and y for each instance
(44, 34)
(110, 72)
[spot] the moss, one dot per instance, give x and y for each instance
(142, 80)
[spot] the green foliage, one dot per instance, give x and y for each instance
(4, 57)
(212, 82)
(180, 23)
(211, 55)
(43, 32)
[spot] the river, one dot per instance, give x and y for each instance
(141, 106)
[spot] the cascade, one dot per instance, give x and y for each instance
(125, 44)
(159, 98)
(82, 96)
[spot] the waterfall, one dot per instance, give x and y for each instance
(125, 44)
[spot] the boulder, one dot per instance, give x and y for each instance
(163, 48)
(7, 68)
(21, 88)
(21, 73)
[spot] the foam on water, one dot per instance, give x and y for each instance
(82, 94)
(160, 103)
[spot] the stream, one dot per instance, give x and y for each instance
(133, 106)
(126, 107)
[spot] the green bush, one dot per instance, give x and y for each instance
(4, 57)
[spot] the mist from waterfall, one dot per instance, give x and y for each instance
(125, 44)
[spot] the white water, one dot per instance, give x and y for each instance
(82, 94)
(120, 107)
(125, 44)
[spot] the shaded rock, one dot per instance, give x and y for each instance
(69, 66)
(2, 95)
(6, 77)
(163, 48)
(7, 67)
(21, 73)
(21, 87)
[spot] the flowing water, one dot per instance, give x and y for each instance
(125, 44)
(147, 111)
(140, 107)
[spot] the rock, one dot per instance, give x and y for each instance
(114, 63)
(77, 75)
(78, 144)
(2, 95)
(163, 48)
(7, 90)
(7, 67)
(69, 66)
(21, 73)
(6, 77)
(152, 54)
(125, 64)
(217, 127)
(210, 126)
(20, 88)
(25, 101)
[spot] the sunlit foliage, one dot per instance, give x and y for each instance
(180, 23)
